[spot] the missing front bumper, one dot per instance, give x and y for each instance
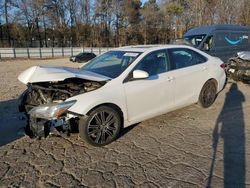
(42, 128)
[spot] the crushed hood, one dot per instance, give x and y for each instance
(46, 74)
(245, 55)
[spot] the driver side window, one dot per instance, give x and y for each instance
(154, 63)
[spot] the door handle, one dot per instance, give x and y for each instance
(171, 78)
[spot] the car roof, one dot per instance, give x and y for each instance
(85, 53)
(145, 48)
(208, 29)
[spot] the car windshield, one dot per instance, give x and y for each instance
(112, 63)
(195, 40)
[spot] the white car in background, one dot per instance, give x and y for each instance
(117, 89)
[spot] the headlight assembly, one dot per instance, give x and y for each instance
(51, 111)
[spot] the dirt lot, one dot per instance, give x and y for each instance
(191, 147)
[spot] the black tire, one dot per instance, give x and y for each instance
(102, 126)
(208, 94)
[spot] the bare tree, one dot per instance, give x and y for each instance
(6, 13)
(1, 21)
(117, 9)
(245, 14)
(111, 22)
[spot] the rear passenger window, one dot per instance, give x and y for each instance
(182, 57)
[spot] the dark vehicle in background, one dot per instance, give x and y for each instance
(82, 57)
(223, 41)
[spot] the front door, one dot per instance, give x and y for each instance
(152, 96)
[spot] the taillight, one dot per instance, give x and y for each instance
(223, 66)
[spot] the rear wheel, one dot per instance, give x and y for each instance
(208, 94)
(101, 127)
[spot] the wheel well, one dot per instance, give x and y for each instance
(114, 106)
(215, 82)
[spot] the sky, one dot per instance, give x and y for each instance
(143, 1)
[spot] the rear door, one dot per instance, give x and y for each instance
(189, 69)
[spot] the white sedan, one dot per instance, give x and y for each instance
(117, 89)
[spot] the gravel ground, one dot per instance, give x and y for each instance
(191, 147)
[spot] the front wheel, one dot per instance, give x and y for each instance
(208, 94)
(101, 127)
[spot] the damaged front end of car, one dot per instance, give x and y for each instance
(238, 68)
(46, 104)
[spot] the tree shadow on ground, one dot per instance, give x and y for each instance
(230, 128)
(11, 126)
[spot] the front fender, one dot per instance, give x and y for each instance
(88, 101)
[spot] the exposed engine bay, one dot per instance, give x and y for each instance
(53, 93)
(238, 68)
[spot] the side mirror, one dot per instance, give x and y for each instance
(140, 74)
